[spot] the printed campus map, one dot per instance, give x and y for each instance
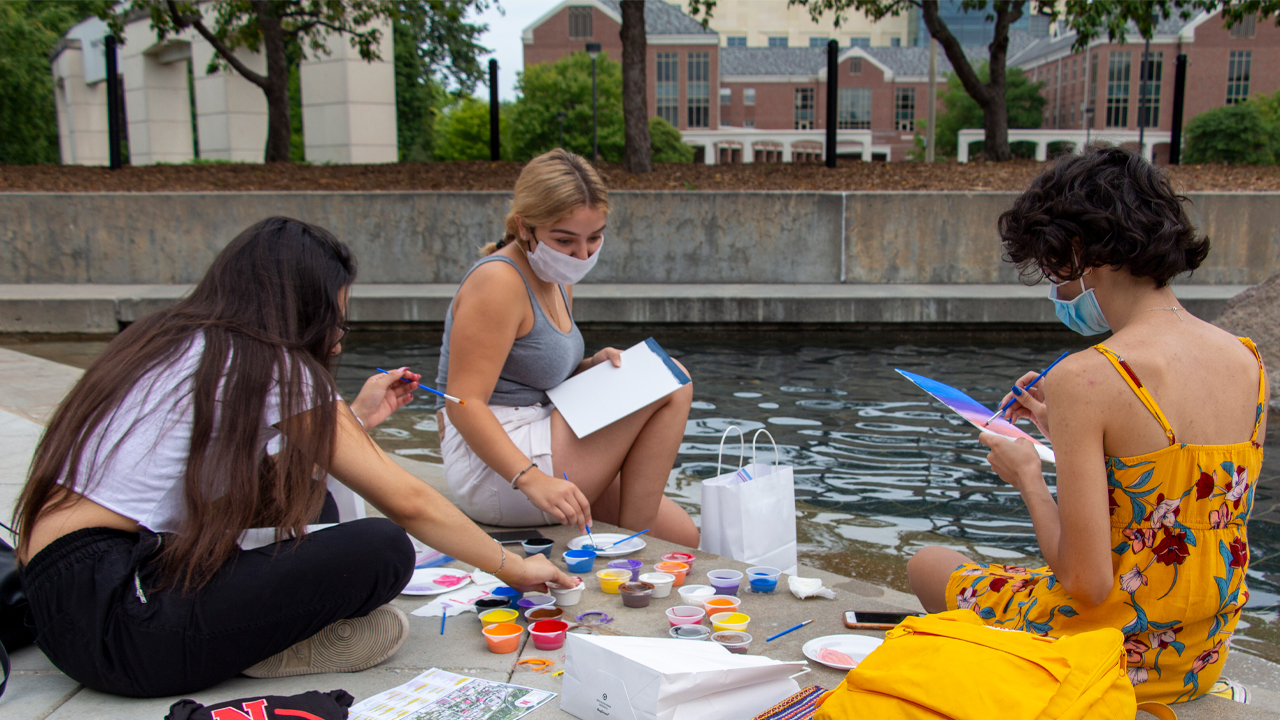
(440, 695)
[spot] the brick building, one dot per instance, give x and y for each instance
(1103, 87)
(735, 102)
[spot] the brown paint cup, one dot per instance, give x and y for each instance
(636, 594)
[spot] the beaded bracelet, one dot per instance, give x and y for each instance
(532, 465)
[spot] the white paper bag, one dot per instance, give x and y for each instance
(633, 678)
(751, 520)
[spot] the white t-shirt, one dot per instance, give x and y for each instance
(142, 477)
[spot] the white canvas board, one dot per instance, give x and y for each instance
(605, 394)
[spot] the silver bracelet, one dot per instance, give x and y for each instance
(532, 465)
(504, 559)
(362, 427)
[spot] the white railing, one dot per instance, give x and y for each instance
(783, 141)
(1077, 138)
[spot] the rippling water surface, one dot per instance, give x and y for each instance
(881, 469)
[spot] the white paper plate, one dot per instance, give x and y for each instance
(855, 646)
(607, 539)
(424, 581)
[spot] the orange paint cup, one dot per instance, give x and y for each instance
(503, 638)
(721, 603)
(678, 569)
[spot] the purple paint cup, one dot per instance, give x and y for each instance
(631, 565)
(725, 582)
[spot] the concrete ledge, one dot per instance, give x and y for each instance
(74, 308)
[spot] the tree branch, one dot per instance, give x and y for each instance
(973, 85)
(1007, 13)
(183, 21)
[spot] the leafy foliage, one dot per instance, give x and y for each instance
(462, 130)
(1247, 134)
(958, 111)
(28, 31)
(565, 86)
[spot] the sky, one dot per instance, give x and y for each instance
(503, 37)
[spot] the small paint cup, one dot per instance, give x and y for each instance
(685, 615)
(548, 634)
(661, 582)
(503, 638)
(721, 603)
(579, 561)
(538, 546)
(532, 601)
(726, 582)
(544, 612)
(733, 641)
(763, 579)
(491, 603)
(695, 594)
(689, 632)
(730, 621)
(511, 594)
(679, 569)
(630, 565)
(680, 557)
(567, 597)
(611, 578)
(501, 615)
(635, 594)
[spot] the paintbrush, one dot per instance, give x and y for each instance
(428, 389)
(1014, 399)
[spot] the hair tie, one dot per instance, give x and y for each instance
(501, 242)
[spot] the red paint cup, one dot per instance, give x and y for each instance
(548, 634)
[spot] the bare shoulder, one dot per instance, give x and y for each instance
(495, 289)
(1082, 375)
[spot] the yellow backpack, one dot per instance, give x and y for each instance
(952, 666)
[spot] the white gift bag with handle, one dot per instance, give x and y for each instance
(635, 678)
(750, 514)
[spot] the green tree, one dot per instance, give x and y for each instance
(666, 143)
(1089, 18)
(274, 26)
(462, 130)
(958, 110)
(565, 87)
(1247, 134)
(28, 119)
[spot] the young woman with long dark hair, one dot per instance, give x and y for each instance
(218, 415)
(1158, 436)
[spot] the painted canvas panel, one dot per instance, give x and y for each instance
(973, 411)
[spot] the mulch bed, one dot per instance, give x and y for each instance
(849, 175)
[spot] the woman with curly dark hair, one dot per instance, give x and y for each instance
(1157, 433)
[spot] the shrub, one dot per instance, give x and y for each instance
(1244, 134)
(667, 144)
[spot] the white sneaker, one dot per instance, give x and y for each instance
(344, 646)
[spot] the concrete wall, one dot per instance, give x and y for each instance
(671, 238)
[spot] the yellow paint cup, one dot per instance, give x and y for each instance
(500, 615)
(730, 621)
(611, 578)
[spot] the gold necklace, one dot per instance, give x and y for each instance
(1176, 311)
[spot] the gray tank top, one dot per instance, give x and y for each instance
(539, 361)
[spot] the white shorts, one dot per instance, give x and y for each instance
(484, 495)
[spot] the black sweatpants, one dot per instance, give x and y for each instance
(100, 620)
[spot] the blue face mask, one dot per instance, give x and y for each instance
(1082, 314)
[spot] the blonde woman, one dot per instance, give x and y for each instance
(509, 336)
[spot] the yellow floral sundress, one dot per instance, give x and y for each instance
(1180, 551)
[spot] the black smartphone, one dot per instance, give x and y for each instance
(508, 537)
(860, 619)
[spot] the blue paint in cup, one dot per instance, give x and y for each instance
(511, 594)
(763, 579)
(579, 561)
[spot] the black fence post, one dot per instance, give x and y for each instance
(495, 149)
(833, 97)
(1179, 94)
(114, 131)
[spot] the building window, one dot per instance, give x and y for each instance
(668, 79)
(748, 123)
(748, 96)
(698, 89)
(579, 23)
(904, 110)
(1118, 90)
(1245, 29)
(855, 66)
(804, 108)
(1238, 67)
(777, 42)
(1149, 75)
(860, 42)
(895, 42)
(737, 41)
(726, 95)
(818, 42)
(854, 110)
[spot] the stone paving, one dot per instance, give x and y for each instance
(30, 388)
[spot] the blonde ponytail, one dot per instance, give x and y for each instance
(551, 187)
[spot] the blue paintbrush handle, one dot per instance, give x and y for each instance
(1014, 400)
(629, 537)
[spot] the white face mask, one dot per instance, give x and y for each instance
(560, 268)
